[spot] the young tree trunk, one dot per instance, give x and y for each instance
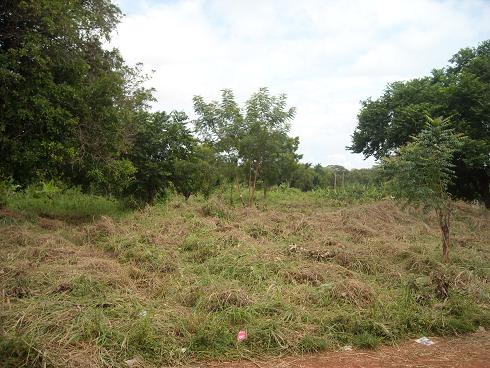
(445, 242)
(444, 217)
(250, 184)
(239, 191)
(265, 191)
(231, 193)
(151, 193)
(251, 200)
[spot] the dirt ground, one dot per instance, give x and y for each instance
(471, 351)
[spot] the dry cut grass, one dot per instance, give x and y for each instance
(175, 283)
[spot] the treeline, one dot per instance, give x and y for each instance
(307, 177)
(72, 111)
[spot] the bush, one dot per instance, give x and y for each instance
(3, 196)
(5, 187)
(53, 200)
(354, 193)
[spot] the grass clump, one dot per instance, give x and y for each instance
(312, 344)
(215, 208)
(223, 299)
(4, 191)
(15, 352)
(355, 292)
(366, 340)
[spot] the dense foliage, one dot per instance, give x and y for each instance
(67, 106)
(460, 91)
(254, 138)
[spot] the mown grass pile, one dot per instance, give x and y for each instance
(175, 283)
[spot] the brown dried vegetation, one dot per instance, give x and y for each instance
(175, 283)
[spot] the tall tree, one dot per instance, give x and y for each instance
(220, 124)
(281, 161)
(254, 137)
(266, 125)
(461, 91)
(67, 104)
(198, 173)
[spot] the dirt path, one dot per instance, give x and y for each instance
(471, 351)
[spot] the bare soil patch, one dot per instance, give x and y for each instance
(471, 351)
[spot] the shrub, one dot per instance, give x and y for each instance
(54, 200)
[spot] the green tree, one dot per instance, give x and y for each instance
(161, 141)
(362, 176)
(421, 172)
(220, 124)
(67, 105)
(266, 125)
(323, 177)
(254, 137)
(461, 91)
(338, 173)
(281, 161)
(303, 177)
(198, 173)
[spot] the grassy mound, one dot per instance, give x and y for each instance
(175, 283)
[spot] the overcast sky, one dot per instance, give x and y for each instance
(325, 55)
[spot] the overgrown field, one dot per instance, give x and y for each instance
(174, 283)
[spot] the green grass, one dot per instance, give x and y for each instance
(175, 283)
(51, 201)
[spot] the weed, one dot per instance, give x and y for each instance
(354, 291)
(215, 208)
(312, 344)
(84, 286)
(366, 340)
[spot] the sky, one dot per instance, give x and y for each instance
(325, 55)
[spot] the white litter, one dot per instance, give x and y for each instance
(143, 313)
(347, 348)
(425, 341)
(135, 362)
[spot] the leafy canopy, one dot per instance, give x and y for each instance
(422, 170)
(253, 137)
(160, 143)
(68, 106)
(461, 91)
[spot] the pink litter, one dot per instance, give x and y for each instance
(242, 336)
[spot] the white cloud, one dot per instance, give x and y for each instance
(326, 55)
